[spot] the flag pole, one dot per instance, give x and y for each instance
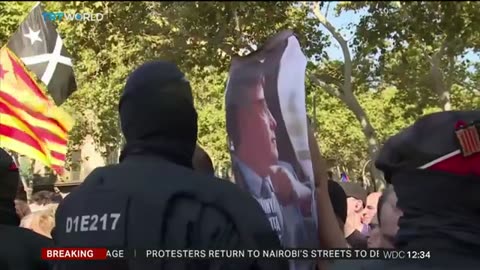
(36, 5)
(16, 160)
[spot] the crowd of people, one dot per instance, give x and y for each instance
(163, 194)
(368, 220)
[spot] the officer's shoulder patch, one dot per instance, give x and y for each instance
(94, 219)
(468, 137)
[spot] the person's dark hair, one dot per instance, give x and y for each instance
(330, 175)
(381, 201)
(43, 197)
(21, 194)
(338, 199)
(202, 161)
(56, 198)
(354, 190)
(242, 79)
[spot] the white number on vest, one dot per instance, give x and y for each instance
(92, 223)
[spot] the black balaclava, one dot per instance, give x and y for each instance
(9, 181)
(441, 211)
(157, 114)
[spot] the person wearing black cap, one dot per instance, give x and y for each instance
(20, 248)
(154, 198)
(356, 197)
(339, 202)
(434, 166)
(439, 155)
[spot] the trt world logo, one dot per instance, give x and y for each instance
(59, 16)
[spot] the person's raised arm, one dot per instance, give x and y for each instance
(330, 233)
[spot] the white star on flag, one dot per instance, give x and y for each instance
(33, 36)
(49, 60)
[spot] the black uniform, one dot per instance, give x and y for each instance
(20, 249)
(153, 198)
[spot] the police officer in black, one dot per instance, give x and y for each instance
(20, 249)
(434, 166)
(153, 198)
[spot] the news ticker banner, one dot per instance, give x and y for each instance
(306, 254)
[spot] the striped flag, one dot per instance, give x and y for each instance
(469, 139)
(30, 122)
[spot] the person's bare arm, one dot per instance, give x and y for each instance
(330, 233)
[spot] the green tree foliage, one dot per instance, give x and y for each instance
(386, 84)
(105, 53)
(208, 85)
(341, 137)
(12, 14)
(192, 34)
(338, 79)
(418, 46)
(209, 33)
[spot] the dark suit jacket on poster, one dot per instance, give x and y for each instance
(294, 229)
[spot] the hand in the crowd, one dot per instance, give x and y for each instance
(351, 224)
(318, 163)
(41, 222)
(330, 233)
(281, 181)
(22, 208)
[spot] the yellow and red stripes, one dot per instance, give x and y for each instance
(30, 123)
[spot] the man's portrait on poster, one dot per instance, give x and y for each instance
(252, 130)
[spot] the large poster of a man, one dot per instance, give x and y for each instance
(268, 141)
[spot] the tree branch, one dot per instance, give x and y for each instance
(238, 28)
(439, 54)
(220, 36)
(347, 71)
(239, 37)
(437, 75)
(451, 72)
(328, 8)
(443, 48)
(250, 48)
(237, 21)
(227, 50)
(222, 32)
(327, 87)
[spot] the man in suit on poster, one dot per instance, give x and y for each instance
(257, 168)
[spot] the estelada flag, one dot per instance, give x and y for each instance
(30, 122)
